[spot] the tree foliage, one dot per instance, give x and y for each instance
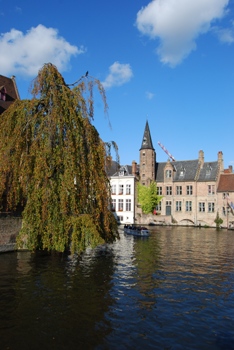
(218, 220)
(148, 197)
(52, 164)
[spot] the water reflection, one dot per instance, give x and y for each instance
(173, 290)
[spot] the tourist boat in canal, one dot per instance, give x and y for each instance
(136, 231)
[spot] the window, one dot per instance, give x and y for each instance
(128, 189)
(211, 207)
(169, 190)
(113, 206)
(168, 174)
(121, 189)
(201, 207)
(189, 190)
(225, 195)
(178, 205)
(211, 189)
(120, 218)
(179, 190)
(120, 206)
(159, 206)
(182, 171)
(128, 204)
(188, 206)
(208, 170)
(168, 202)
(159, 191)
(3, 94)
(113, 189)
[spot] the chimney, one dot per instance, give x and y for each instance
(134, 167)
(201, 158)
(230, 169)
(220, 161)
(15, 86)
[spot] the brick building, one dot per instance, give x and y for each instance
(193, 191)
(8, 92)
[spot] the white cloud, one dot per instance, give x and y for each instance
(149, 95)
(25, 54)
(119, 75)
(225, 35)
(177, 24)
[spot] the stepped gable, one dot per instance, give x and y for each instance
(226, 183)
(9, 88)
(147, 141)
(183, 170)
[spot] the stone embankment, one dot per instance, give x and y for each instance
(9, 229)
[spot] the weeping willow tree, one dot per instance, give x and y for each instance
(52, 165)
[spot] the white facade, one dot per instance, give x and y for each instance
(123, 195)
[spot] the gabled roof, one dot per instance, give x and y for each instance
(113, 168)
(189, 170)
(226, 183)
(147, 141)
(124, 170)
(209, 171)
(121, 170)
(11, 92)
(183, 170)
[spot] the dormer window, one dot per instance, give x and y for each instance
(182, 171)
(208, 170)
(144, 141)
(2, 93)
(123, 171)
(168, 174)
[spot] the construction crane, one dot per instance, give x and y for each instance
(165, 150)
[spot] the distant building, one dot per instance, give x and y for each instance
(8, 92)
(193, 191)
(123, 193)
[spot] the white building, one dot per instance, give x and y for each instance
(123, 193)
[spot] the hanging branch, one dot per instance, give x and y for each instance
(52, 166)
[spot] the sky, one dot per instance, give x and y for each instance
(168, 62)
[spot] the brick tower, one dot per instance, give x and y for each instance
(147, 158)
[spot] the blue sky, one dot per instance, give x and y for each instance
(170, 62)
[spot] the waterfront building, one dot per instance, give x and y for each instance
(123, 192)
(194, 191)
(8, 92)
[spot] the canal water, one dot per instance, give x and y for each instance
(173, 290)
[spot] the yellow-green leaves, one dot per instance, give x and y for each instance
(147, 197)
(52, 165)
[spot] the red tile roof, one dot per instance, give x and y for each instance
(226, 183)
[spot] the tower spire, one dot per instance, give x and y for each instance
(147, 141)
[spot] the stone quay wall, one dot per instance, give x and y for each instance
(9, 229)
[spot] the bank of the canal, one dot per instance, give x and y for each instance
(9, 229)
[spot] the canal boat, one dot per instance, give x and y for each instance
(136, 231)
